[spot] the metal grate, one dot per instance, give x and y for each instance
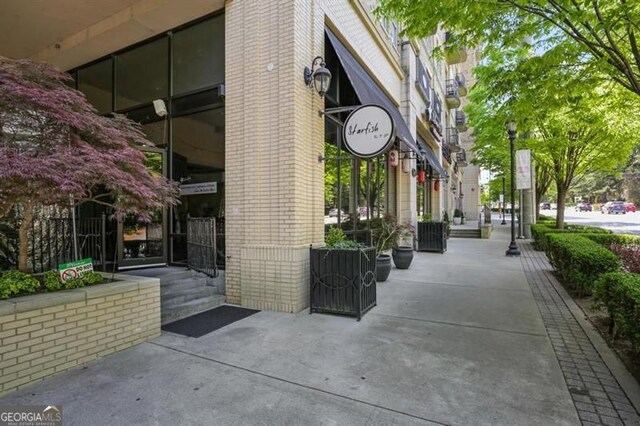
(201, 245)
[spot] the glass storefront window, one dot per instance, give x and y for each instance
(142, 74)
(198, 56)
(96, 82)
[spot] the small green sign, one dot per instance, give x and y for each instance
(75, 269)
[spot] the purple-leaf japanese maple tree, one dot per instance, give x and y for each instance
(56, 150)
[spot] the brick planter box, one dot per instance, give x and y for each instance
(44, 334)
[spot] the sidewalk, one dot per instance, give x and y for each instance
(458, 338)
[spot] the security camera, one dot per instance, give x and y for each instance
(160, 107)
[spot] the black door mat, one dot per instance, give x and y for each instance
(205, 322)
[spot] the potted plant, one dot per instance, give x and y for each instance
(432, 235)
(383, 232)
(457, 217)
(343, 276)
(403, 254)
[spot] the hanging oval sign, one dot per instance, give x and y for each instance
(368, 131)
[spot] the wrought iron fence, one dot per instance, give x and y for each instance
(201, 245)
(51, 242)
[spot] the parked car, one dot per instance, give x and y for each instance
(616, 207)
(334, 213)
(630, 207)
(604, 207)
(584, 207)
(545, 206)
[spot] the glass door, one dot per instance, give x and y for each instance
(144, 243)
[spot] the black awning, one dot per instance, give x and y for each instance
(368, 91)
(431, 157)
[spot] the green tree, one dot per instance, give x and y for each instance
(597, 34)
(574, 124)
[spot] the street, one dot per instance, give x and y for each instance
(619, 223)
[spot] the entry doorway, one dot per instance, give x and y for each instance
(145, 243)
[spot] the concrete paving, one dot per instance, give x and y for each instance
(456, 339)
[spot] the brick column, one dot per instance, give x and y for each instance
(274, 135)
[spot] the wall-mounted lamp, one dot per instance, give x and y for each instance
(407, 164)
(393, 158)
(319, 78)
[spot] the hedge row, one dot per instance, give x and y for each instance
(539, 232)
(578, 260)
(609, 239)
(619, 293)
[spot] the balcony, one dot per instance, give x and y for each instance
(446, 154)
(453, 56)
(461, 121)
(452, 97)
(462, 85)
(461, 159)
(453, 140)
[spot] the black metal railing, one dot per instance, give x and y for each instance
(446, 154)
(51, 242)
(453, 139)
(461, 119)
(452, 88)
(201, 245)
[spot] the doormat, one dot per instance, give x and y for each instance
(205, 322)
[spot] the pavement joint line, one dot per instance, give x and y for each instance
(477, 327)
(461, 285)
(567, 328)
(280, 379)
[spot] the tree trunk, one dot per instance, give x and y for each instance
(23, 237)
(562, 193)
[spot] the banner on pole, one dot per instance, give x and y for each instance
(523, 169)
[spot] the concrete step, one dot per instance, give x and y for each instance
(183, 296)
(183, 310)
(176, 276)
(182, 285)
(465, 233)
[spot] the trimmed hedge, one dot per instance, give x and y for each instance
(608, 239)
(579, 260)
(619, 293)
(540, 231)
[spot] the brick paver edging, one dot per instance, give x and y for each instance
(598, 397)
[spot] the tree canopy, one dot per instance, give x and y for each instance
(56, 150)
(595, 34)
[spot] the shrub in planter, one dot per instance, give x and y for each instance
(579, 261)
(14, 283)
(432, 236)
(52, 281)
(342, 279)
(619, 294)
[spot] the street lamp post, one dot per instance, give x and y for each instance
(504, 203)
(513, 247)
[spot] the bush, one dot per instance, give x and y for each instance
(608, 239)
(92, 278)
(629, 256)
(619, 293)
(540, 231)
(16, 282)
(52, 281)
(336, 239)
(579, 261)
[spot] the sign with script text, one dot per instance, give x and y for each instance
(368, 131)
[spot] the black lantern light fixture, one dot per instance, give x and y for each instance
(319, 78)
(513, 249)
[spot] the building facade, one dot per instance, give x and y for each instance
(245, 136)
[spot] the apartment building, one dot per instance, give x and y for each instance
(243, 133)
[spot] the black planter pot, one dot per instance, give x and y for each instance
(342, 281)
(402, 256)
(383, 267)
(432, 236)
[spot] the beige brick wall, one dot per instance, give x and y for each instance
(45, 334)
